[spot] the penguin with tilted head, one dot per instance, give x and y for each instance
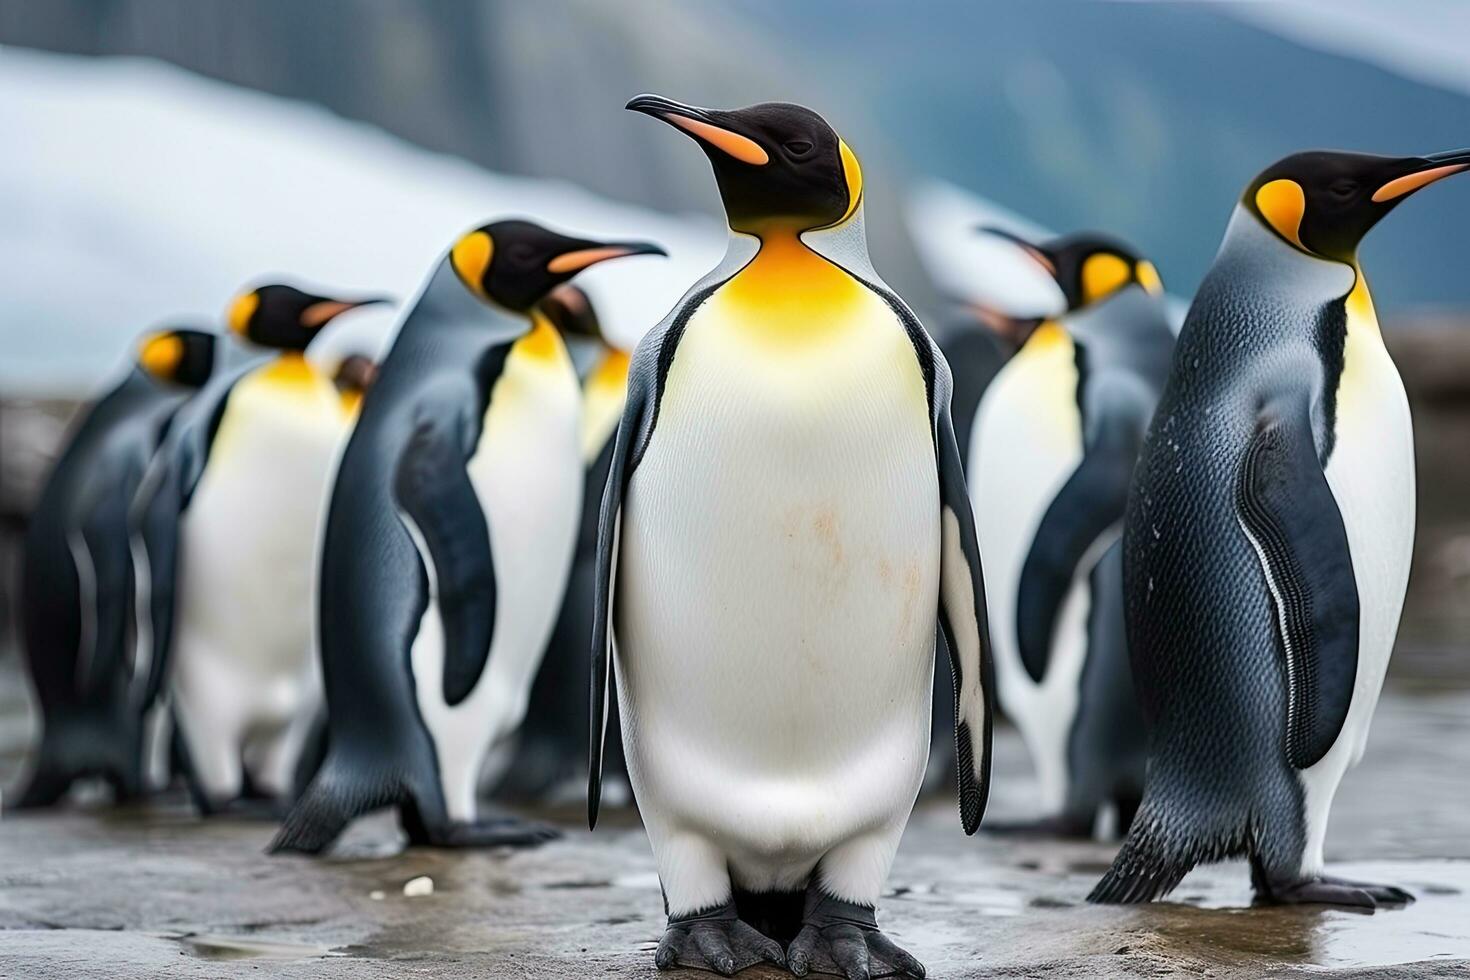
(449, 533)
(784, 515)
(1268, 540)
(1055, 439)
(226, 531)
(550, 761)
(76, 577)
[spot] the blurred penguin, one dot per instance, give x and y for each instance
(449, 533)
(76, 579)
(550, 762)
(1053, 445)
(227, 527)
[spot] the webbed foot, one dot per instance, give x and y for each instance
(717, 941)
(843, 939)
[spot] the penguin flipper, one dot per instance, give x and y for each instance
(104, 535)
(434, 490)
(605, 582)
(1285, 506)
(963, 621)
(153, 524)
(1092, 500)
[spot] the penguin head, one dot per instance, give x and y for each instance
(1323, 202)
(182, 356)
(1088, 266)
(284, 317)
(777, 164)
(514, 264)
(570, 310)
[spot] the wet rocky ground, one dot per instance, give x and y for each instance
(154, 892)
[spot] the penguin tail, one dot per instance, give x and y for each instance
(338, 795)
(1163, 846)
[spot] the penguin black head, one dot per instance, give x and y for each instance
(1088, 266)
(570, 310)
(285, 317)
(1323, 202)
(514, 264)
(182, 356)
(776, 163)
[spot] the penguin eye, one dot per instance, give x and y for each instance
(1343, 189)
(798, 148)
(522, 253)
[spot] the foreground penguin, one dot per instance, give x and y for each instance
(550, 761)
(228, 526)
(1055, 438)
(449, 532)
(76, 579)
(785, 512)
(1269, 533)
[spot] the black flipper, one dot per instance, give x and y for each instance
(1091, 501)
(963, 621)
(609, 527)
(104, 535)
(435, 492)
(1287, 510)
(153, 521)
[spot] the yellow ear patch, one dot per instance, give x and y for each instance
(1103, 274)
(161, 353)
(1282, 202)
(470, 258)
(241, 310)
(1148, 277)
(742, 148)
(853, 173)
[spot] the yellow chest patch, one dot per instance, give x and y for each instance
(789, 295)
(1365, 360)
(1042, 377)
(538, 370)
(285, 400)
(794, 331)
(603, 394)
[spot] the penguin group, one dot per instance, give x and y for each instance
(714, 570)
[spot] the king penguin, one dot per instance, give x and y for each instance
(1269, 535)
(550, 760)
(449, 533)
(1055, 439)
(228, 527)
(785, 512)
(76, 576)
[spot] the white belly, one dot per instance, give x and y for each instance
(776, 596)
(527, 473)
(1026, 442)
(247, 556)
(1371, 474)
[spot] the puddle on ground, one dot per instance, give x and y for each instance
(1222, 924)
(223, 947)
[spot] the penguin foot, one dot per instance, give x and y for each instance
(494, 832)
(1060, 825)
(1326, 890)
(842, 939)
(716, 940)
